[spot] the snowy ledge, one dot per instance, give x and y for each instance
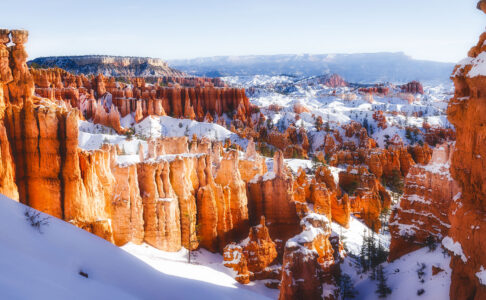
(454, 247)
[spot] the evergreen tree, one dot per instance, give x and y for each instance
(383, 290)
(366, 126)
(346, 287)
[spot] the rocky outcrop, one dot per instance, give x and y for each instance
(422, 217)
(413, 87)
(375, 90)
(369, 198)
(467, 215)
(127, 205)
(21, 88)
(7, 166)
(252, 257)
(308, 263)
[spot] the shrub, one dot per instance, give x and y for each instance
(35, 219)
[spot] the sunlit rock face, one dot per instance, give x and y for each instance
(271, 195)
(467, 215)
(422, 217)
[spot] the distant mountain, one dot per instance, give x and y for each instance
(123, 66)
(359, 68)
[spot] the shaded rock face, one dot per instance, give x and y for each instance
(422, 216)
(309, 262)
(467, 215)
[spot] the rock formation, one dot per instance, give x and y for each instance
(369, 198)
(105, 101)
(413, 87)
(422, 217)
(252, 257)
(308, 262)
(467, 215)
(271, 195)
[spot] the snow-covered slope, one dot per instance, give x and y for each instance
(405, 277)
(46, 264)
(205, 266)
(362, 68)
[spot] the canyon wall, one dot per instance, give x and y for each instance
(105, 100)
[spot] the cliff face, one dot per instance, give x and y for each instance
(105, 101)
(422, 216)
(468, 214)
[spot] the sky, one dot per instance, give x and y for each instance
(440, 30)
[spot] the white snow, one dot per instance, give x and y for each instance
(352, 237)
(35, 265)
(454, 247)
(206, 267)
(296, 164)
(481, 275)
(403, 279)
(171, 127)
(478, 66)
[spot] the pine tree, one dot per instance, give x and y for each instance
(346, 287)
(363, 261)
(383, 290)
(366, 126)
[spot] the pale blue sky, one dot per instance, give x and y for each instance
(441, 30)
